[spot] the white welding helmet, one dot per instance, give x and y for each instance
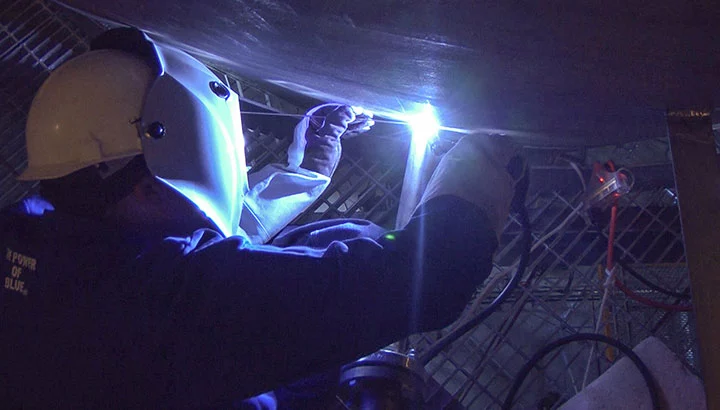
(130, 96)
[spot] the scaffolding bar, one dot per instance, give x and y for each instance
(698, 185)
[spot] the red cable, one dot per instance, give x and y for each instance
(609, 263)
(649, 302)
(611, 232)
(611, 236)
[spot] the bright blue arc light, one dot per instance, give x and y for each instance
(424, 125)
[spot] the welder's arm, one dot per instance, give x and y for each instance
(279, 193)
(276, 197)
(258, 317)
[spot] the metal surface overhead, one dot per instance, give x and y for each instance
(589, 72)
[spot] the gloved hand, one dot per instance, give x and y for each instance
(476, 169)
(316, 144)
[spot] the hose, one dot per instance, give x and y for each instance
(650, 381)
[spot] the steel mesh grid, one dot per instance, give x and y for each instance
(564, 297)
(35, 37)
(362, 187)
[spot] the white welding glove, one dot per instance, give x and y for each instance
(475, 169)
(278, 193)
(316, 144)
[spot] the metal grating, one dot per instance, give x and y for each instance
(562, 296)
(362, 187)
(35, 37)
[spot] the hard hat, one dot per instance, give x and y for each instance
(139, 97)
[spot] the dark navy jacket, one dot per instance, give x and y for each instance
(91, 316)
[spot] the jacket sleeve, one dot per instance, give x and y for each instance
(241, 320)
(276, 197)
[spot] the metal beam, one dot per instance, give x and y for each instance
(698, 185)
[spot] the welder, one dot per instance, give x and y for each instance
(128, 282)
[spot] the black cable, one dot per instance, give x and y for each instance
(624, 263)
(652, 385)
(651, 285)
(538, 271)
(517, 206)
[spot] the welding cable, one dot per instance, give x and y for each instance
(650, 381)
(558, 228)
(579, 174)
(649, 302)
(663, 320)
(577, 170)
(624, 264)
(494, 280)
(626, 268)
(505, 328)
(518, 206)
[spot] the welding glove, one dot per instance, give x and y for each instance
(316, 144)
(278, 194)
(476, 169)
